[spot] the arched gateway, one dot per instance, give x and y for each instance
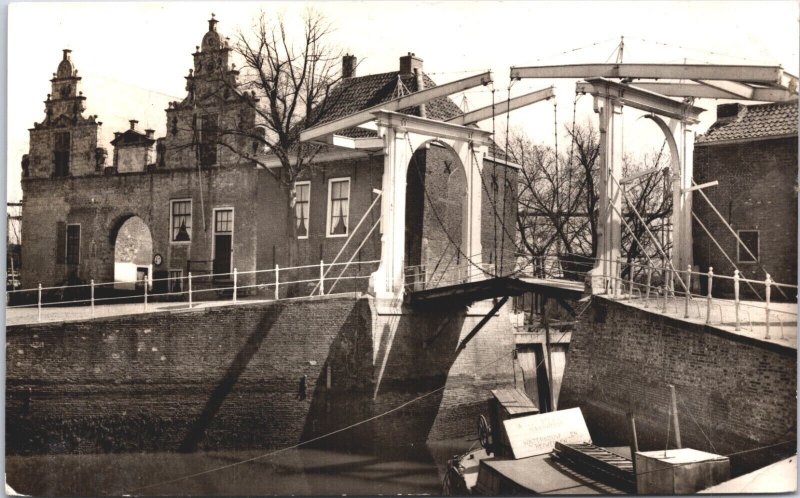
(133, 254)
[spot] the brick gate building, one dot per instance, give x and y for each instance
(208, 209)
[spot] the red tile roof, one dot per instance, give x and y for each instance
(754, 122)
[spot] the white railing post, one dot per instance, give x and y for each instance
(190, 289)
(39, 304)
(91, 285)
(688, 287)
(618, 279)
(321, 278)
(768, 286)
(630, 281)
(649, 281)
(736, 297)
(277, 281)
(666, 288)
(709, 298)
(235, 278)
(144, 281)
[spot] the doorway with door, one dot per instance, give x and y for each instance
(223, 244)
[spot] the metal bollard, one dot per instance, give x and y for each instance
(144, 281)
(736, 297)
(39, 304)
(235, 278)
(709, 298)
(321, 278)
(91, 284)
(277, 281)
(768, 285)
(687, 292)
(190, 289)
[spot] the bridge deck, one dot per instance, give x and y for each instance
(470, 292)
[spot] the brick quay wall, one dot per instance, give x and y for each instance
(734, 393)
(230, 377)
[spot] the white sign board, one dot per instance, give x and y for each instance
(538, 434)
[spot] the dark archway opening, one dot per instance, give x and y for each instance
(436, 189)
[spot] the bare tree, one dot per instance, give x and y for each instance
(283, 87)
(558, 199)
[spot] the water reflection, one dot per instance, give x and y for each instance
(305, 471)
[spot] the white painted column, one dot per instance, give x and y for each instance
(682, 200)
(610, 202)
(472, 159)
(387, 281)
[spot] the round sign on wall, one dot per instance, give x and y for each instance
(157, 260)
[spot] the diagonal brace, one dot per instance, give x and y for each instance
(483, 322)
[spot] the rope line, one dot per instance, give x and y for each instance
(697, 424)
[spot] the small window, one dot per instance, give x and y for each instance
(223, 221)
(73, 244)
(175, 281)
(750, 240)
(302, 201)
(61, 153)
(208, 140)
(338, 206)
(181, 215)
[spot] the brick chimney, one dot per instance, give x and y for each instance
(409, 63)
(349, 63)
(728, 112)
(133, 123)
(149, 133)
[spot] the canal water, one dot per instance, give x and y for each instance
(303, 471)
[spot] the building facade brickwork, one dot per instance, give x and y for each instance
(752, 152)
(184, 183)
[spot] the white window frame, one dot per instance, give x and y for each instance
(191, 213)
(171, 279)
(66, 244)
(308, 221)
(739, 247)
(214, 231)
(328, 227)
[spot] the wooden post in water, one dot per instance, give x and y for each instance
(675, 417)
(549, 358)
(634, 442)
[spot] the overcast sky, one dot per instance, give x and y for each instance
(133, 56)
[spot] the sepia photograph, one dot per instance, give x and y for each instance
(374, 248)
